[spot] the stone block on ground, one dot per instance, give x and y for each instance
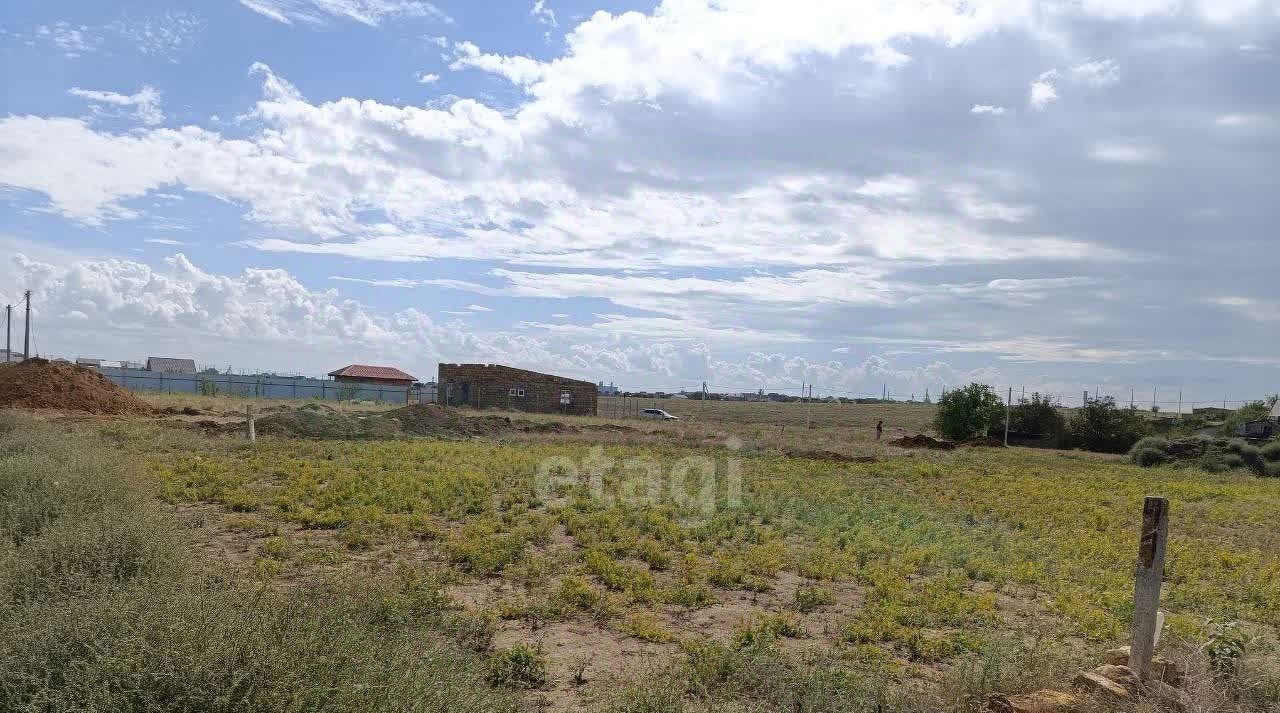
(1044, 701)
(1093, 682)
(1161, 667)
(1122, 675)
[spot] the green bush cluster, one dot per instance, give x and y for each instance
(101, 609)
(974, 410)
(1100, 426)
(1215, 455)
(1039, 417)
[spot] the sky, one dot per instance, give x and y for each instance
(1053, 196)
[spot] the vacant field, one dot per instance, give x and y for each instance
(661, 570)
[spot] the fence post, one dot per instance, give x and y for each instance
(1148, 576)
(248, 419)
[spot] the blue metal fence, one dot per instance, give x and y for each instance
(261, 386)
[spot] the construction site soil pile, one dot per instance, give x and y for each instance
(40, 383)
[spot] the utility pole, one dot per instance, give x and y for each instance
(1153, 398)
(8, 333)
(26, 337)
(1130, 397)
(1179, 404)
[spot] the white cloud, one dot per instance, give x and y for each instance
(1244, 121)
(543, 14)
(479, 308)
(166, 35)
(1096, 72)
(987, 109)
(163, 241)
(145, 103)
(367, 12)
(1125, 152)
(72, 40)
(1043, 91)
(427, 78)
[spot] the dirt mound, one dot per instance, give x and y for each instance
(39, 383)
(832, 456)
(435, 420)
(922, 441)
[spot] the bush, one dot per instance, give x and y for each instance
(1250, 456)
(1270, 452)
(1272, 470)
(1038, 416)
(975, 410)
(520, 666)
(1159, 443)
(1100, 426)
(1147, 457)
(1256, 411)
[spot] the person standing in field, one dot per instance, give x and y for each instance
(879, 429)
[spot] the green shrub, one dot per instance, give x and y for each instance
(1038, 416)
(520, 666)
(1159, 443)
(975, 410)
(1100, 426)
(1147, 457)
(810, 597)
(1256, 411)
(1271, 452)
(1272, 470)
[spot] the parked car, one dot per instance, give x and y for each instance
(658, 414)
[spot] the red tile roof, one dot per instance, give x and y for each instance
(363, 371)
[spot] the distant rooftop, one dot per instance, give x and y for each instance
(171, 365)
(364, 371)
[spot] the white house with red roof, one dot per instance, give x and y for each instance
(366, 374)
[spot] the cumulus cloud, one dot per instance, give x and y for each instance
(723, 150)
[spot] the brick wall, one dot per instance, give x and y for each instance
(490, 385)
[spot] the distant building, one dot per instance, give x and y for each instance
(82, 361)
(498, 386)
(366, 374)
(168, 365)
(1275, 412)
(609, 390)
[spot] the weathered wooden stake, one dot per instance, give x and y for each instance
(1148, 575)
(248, 418)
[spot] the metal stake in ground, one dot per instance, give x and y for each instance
(248, 419)
(1148, 576)
(26, 336)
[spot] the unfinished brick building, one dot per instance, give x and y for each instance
(505, 387)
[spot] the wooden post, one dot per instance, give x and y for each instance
(1008, 405)
(1148, 575)
(248, 419)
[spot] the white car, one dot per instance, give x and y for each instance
(658, 414)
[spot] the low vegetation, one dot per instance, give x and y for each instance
(103, 609)
(906, 583)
